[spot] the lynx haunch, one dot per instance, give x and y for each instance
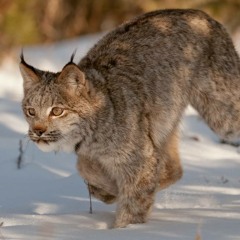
(119, 108)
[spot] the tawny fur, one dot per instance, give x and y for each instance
(120, 107)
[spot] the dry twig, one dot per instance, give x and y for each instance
(90, 197)
(20, 156)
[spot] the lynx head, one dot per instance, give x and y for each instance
(56, 105)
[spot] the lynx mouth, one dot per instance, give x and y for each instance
(48, 144)
(42, 141)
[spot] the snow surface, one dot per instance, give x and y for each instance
(46, 199)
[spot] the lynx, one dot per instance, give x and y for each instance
(119, 108)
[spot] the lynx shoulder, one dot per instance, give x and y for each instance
(120, 106)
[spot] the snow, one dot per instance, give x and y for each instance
(46, 198)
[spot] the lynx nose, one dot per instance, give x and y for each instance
(39, 131)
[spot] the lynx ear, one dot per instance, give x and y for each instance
(71, 78)
(29, 75)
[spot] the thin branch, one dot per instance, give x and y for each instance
(90, 197)
(90, 200)
(20, 156)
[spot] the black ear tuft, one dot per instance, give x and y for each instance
(35, 70)
(73, 55)
(22, 57)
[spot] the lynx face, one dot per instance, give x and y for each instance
(55, 106)
(52, 123)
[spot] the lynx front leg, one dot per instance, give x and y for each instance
(100, 184)
(136, 196)
(134, 207)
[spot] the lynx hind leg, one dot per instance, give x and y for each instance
(171, 169)
(100, 185)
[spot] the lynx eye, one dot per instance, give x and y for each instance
(31, 112)
(57, 111)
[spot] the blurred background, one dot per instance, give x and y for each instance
(27, 22)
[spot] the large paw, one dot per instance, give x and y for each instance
(101, 194)
(128, 219)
